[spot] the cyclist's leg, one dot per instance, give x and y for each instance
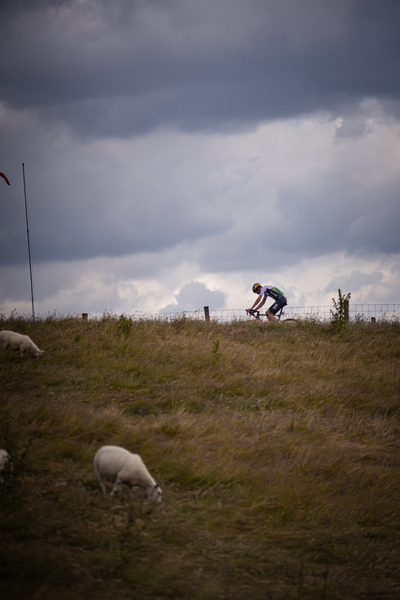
(272, 311)
(276, 307)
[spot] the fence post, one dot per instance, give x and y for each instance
(346, 310)
(84, 316)
(373, 320)
(206, 313)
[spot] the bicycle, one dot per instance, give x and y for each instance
(257, 314)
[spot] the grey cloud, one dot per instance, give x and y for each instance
(230, 215)
(194, 296)
(333, 214)
(16, 284)
(80, 207)
(351, 128)
(79, 229)
(132, 67)
(354, 282)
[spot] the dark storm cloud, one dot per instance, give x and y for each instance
(124, 67)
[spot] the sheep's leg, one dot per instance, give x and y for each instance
(117, 487)
(103, 487)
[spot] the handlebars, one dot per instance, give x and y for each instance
(255, 313)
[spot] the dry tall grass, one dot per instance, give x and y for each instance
(276, 446)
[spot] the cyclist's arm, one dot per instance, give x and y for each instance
(256, 303)
(263, 302)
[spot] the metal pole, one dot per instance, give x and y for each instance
(29, 245)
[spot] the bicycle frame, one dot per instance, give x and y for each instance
(257, 313)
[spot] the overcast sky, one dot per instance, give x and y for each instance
(178, 151)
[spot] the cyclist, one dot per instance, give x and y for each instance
(263, 292)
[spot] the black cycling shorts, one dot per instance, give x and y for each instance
(280, 303)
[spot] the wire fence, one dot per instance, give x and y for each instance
(322, 314)
(357, 312)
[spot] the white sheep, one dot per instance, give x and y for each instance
(4, 457)
(20, 342)
(117, 465)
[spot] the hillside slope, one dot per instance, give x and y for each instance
(276, 446)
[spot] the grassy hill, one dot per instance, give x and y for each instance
(276, 446)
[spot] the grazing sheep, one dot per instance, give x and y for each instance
(4, 457)
(20, 342)
(117, 465)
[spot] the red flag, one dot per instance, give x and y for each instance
(2, 174)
